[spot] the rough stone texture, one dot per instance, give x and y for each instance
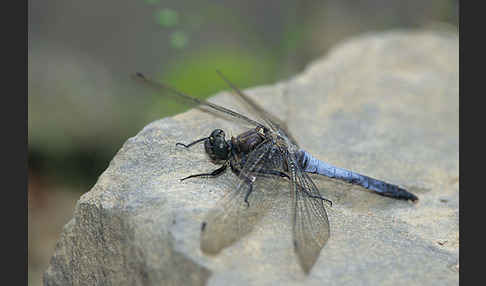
(385, 105)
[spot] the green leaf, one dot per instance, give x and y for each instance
(167, 17)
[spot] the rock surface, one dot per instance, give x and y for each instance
(385, 105)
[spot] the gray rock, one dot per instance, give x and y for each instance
(384, 105)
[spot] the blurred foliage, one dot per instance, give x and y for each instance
(152, 2)
(167, 17)
(74, 144)
(83, 106)
(178, 39)
(196, 75)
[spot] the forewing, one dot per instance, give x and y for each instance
(270, 120)
(232, 218)
(310, 222)
(195, 102)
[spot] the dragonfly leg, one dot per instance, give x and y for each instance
(190, 144)
(247, 180)
(282, 174)
(273, 172)
(248, 194)
(262, 171)
(316, 197)
(213, 174)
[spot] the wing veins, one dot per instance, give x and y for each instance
(311, 225)
(192, 100)
(273, 122)
(231, 219)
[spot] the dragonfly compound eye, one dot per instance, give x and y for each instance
(216, 134)
(216, 147)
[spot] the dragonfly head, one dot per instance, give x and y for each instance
(217, 147)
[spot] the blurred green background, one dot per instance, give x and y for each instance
(82, 104)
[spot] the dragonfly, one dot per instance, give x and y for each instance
(261, 158)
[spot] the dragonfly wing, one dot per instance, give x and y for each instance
(272, 121)
(194, 102)
(233, 218)
(310, 223)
